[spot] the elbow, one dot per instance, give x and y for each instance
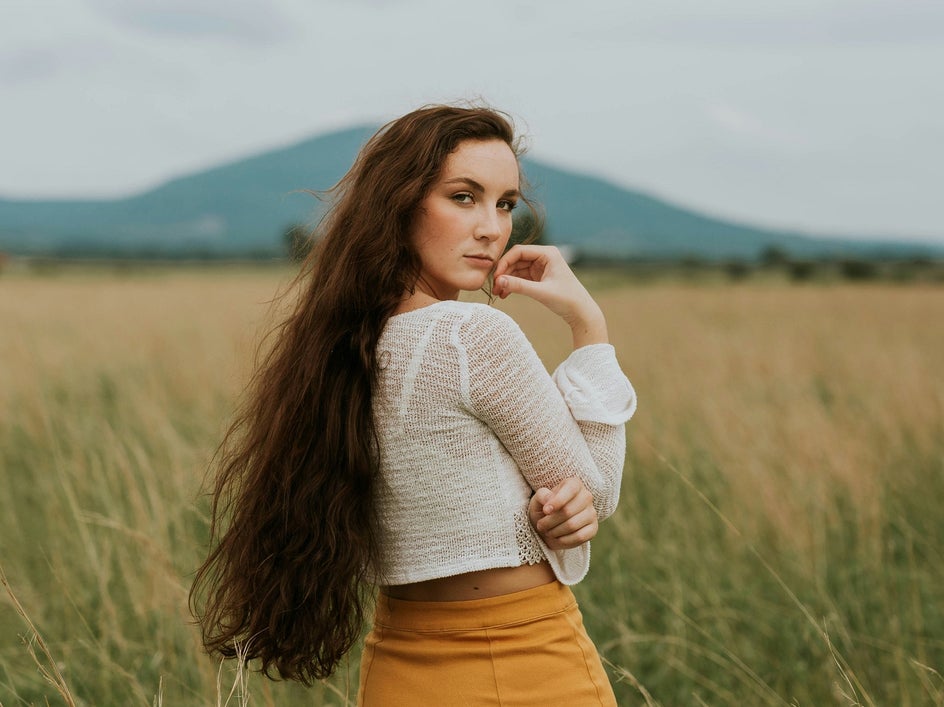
(606, 500)
(606, 491)
(605, 508)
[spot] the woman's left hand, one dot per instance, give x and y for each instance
(564, 516)
(542, 273)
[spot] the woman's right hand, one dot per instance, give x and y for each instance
(564, 517)
(540, 272)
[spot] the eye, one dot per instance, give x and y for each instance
(507, 205)
(463, 198)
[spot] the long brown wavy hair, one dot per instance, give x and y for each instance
(294, 529)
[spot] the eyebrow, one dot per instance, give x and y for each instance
(478, 187)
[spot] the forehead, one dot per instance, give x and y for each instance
(489, 162)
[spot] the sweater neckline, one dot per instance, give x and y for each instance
(425, 308)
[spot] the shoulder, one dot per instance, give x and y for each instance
(464, 324)
(484, 323)
(485, 316)
(488, 338)
(472, 318)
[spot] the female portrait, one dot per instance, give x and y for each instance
(404, 454)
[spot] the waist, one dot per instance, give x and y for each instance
(474, 585)
(504, 609)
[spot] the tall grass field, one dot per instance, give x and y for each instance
(780, 538)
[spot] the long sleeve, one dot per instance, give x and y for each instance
(601, 400)
(554, 428)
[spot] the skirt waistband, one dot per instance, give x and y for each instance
(515, 608)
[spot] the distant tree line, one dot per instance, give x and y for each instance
(860, 268)
(777, 261)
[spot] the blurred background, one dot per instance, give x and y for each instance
(707, 130)
(752, 191)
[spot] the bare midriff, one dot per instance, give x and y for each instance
(474, 585)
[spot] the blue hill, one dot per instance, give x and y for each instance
(243, 208)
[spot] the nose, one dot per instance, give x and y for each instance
(489, 226)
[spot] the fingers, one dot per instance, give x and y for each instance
(507, 285)
(575, 539)
(520, 267)
(566, 526)
(560, 524)
(536, 506)
(565, 516)
(541, 273)
(567, 491)
(521, 257)
(542, 495)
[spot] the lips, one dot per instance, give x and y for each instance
(481, 258)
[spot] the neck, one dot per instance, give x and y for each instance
(420, 297)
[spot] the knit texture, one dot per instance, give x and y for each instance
(469, 424)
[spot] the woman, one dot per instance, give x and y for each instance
(395, 436)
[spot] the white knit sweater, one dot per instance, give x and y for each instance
(469, 423)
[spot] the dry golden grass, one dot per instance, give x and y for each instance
(779, 537)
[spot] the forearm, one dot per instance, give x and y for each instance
(547, 425)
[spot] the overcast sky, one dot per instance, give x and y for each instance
(824, 115)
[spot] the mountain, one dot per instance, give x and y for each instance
(243, 208)
(237, 208)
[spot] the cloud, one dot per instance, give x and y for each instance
(248, 20)
(743, 124)
(26, 65)
(734, 23)
(37, 63)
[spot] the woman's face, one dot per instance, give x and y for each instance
(464, 222)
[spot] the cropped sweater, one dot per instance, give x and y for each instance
(469, 423)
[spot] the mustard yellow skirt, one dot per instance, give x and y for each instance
(526, 648)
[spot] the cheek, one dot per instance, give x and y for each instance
(431, 238)
(506, 234)
(445, 229)
(425, 232)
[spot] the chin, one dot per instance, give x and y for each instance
(475, 284)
